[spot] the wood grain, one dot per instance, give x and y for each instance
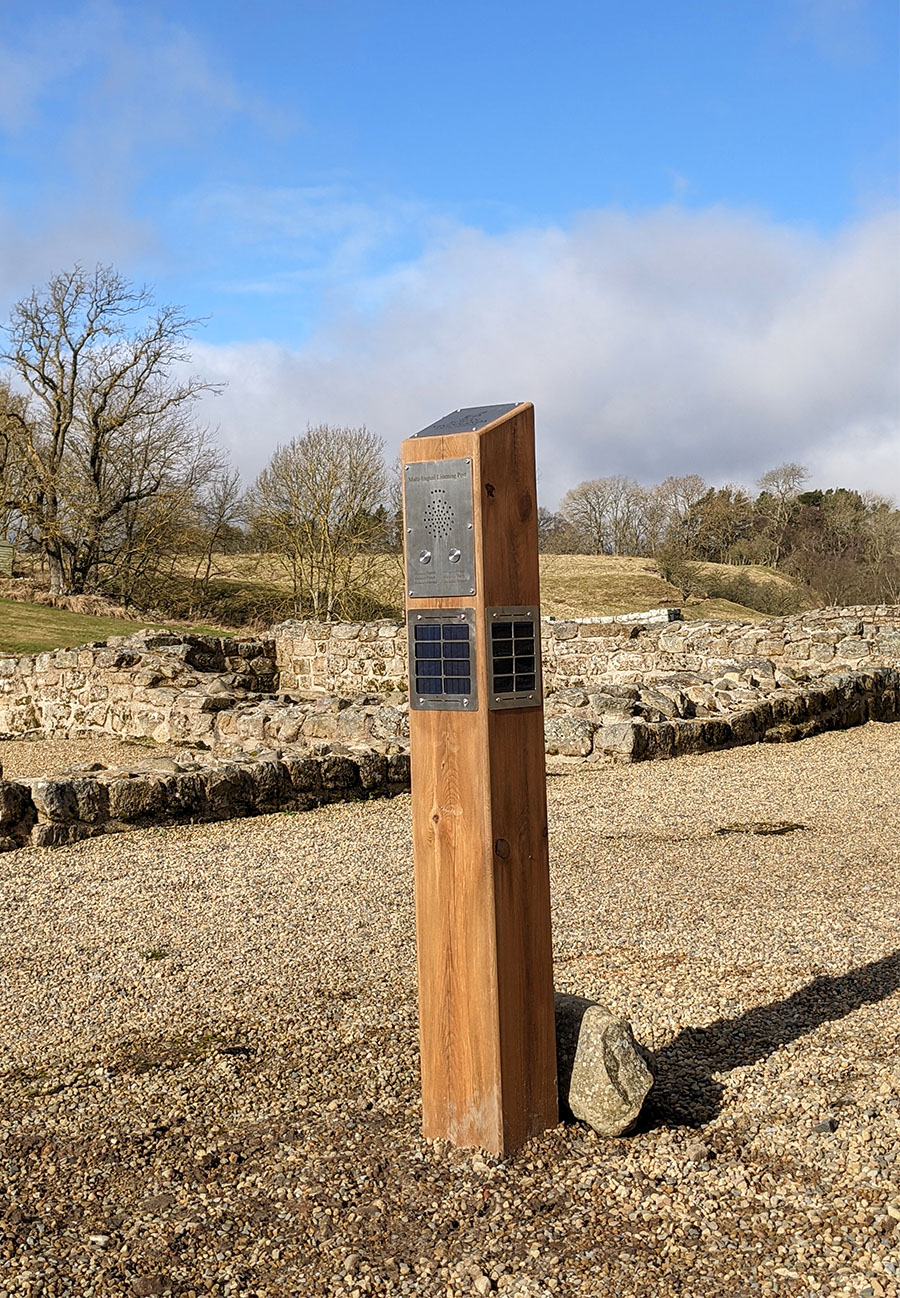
(480, 839)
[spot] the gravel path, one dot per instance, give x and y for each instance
(21, 759)
(208, 1044)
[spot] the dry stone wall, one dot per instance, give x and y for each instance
(153, 685)
(199, 691)
(293, 719)
(104, 799)
(347, 658)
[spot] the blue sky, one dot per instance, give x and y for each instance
(671, 225)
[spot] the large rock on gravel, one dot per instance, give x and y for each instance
(624, 740)
(568, 736)
(17, 815)
(603, 1074)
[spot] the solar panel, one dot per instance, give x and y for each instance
(514, 648)
(442, 660)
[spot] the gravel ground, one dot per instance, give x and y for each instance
(208, 1044)
(21, 759)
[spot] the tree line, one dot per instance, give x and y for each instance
(110, 480)
(841, 545)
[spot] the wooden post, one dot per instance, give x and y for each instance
(487, 1028)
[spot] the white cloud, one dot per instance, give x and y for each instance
(714, 342)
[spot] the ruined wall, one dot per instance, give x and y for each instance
(629, 690)
(346, 658)
(199, 691)
(84, 803)
(154, 685)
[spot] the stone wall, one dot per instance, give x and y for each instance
(664, 720)
(100, 800)
(198, 691)
(154, 685)
(630, 690)
(346, 658)
(580, 653)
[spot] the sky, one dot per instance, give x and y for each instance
(673, 226)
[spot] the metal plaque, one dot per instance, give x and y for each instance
(442, 661)
(513, 637)
(440, 532)
(467, 420)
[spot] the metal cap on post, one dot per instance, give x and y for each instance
(487, 1026)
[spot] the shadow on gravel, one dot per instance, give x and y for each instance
(687, 1093)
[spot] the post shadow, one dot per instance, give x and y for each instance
(686, 1093)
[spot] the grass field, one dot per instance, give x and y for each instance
(249, 591)
(572, 585)
(34, 628)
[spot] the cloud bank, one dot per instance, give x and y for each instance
(714, 342)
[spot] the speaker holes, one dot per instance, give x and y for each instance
(438, 517)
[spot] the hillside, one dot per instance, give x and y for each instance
(34, 628)
(247, 590)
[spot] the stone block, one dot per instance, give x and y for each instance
(185, 796)
(304, 773)
(564, 630)
(269, 778)
(373, 770)
(625, 741)
(660, 740)
(603, 1074)
(92, 801)
(571, 698)
(17, 811)
(55, 800)
(56, 835)
(398, 769)
(339, 772)
(688, 737)
(569, 736)
(141, 798)
(230, 791)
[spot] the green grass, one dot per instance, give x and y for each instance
(34, 628)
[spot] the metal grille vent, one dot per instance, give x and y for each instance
(515, 679)
(442, 660)
(439, 516)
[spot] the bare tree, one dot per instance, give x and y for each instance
(12, 466)
(318, 508)
(606, 512)
(105, 424)
(655, 519)
(679, 495)
(220, 511)
(779, 489)
(883, 547)
(556, 535)
(586, 508)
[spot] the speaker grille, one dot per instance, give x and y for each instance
(439, 516)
